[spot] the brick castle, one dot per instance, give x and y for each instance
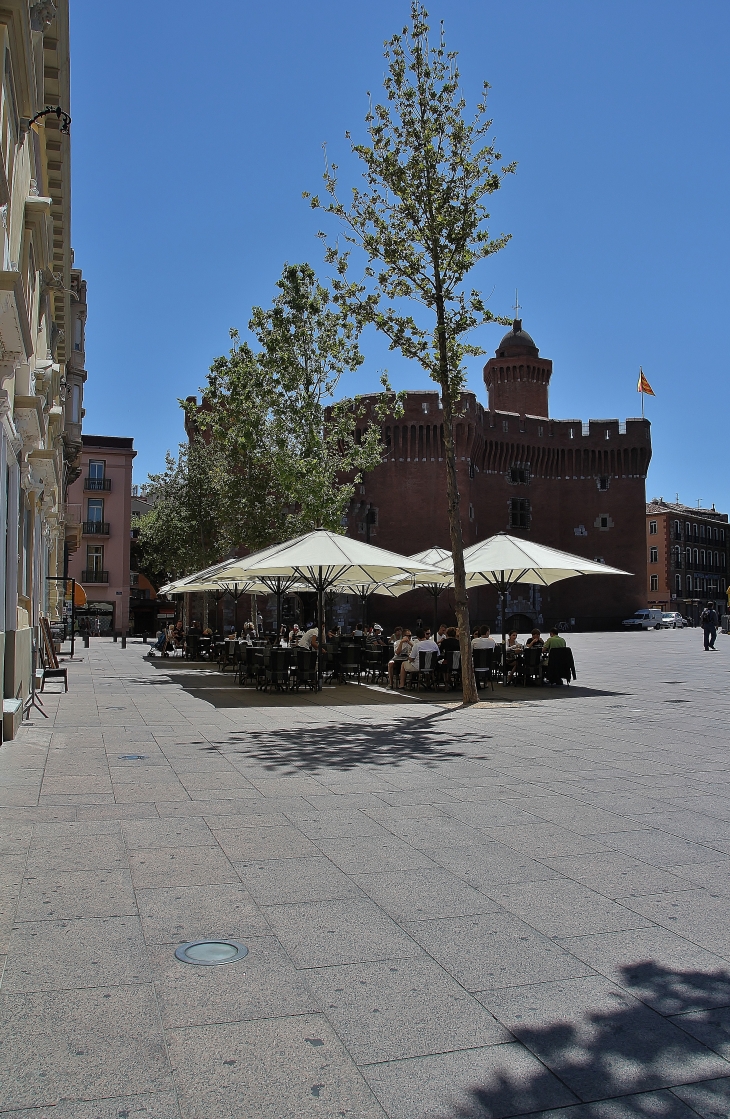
(572, 485)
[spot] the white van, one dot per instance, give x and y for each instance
(644, 619)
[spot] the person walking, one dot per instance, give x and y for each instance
(709, 621)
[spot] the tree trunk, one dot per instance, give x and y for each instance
(461, 600)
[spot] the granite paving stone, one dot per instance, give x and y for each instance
(564, 908)
(179, 866)
(86, 893)
(174, 914)
(282, 881)
(317, 934)
(63, 955)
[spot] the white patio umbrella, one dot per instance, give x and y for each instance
(504, 561)
(323, 559)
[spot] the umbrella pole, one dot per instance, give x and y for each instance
(320, 608)
(502, 590)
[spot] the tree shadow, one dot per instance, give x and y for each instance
(348, 744)
(628, 1051)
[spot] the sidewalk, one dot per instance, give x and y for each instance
(518, 909)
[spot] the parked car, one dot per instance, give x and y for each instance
(644, 619)
(673, 620)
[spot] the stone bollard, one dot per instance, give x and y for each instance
(116, 636)
(86, 640)
(124, 641)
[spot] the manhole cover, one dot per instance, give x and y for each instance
(131, 757)
(208, 952)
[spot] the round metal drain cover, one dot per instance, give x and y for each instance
(208, 952)
(131, 757)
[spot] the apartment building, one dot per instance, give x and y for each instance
(687, 557)
(103, 493)
(39, 447)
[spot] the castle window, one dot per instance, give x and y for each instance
(519, 516)
(472, 470)
(603, 522)
(603, 483)
(653, 555)
(572, 433)
(505, 425)
(519, 474)
(424, 407)
(678, 584)
(654, 583)
(608, 433)
(540, 431)
(652, 528)
(471, 512)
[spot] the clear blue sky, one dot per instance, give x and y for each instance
(194, 138)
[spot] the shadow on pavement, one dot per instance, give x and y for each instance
(347, 745)
(619, 1051)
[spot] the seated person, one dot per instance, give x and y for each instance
(441, 634)
(333, 632)
(401, 652)
(294, 634)
(483, 640)
(450, 642)
(535, 641)
(511, 651)
(160, 645)
(422, 644)
(554, 641)
(396, 635)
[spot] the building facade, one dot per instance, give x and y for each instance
(103, 493)
(687, 557)
(574, 485)
(38, 450)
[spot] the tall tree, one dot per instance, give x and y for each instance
(290, 457)
(420, 220)
(180, 534)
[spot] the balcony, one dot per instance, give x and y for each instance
(94, 576)
(96, 528)
(97, 484)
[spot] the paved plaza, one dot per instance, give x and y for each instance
(517, 909)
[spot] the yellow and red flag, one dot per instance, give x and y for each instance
(643, 385)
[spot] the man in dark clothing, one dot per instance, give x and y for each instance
(708, 621)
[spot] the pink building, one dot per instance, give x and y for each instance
(103, 494)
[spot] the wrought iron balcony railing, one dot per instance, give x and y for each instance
(97, 483)
(94, 576)
(96, 528)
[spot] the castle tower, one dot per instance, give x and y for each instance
(517, 378)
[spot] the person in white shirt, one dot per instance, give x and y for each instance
(483, 641)
(294, 634)
(309, 640)
(422, 644)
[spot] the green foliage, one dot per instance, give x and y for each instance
(421, 217)
(180, 534)
(290, 459)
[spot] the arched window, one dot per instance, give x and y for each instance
(677, 556)
(677, 531)
(688, 557)
(678, 584)
(717, 560)
(689, 584)
(696, 555)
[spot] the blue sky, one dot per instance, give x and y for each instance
(193, 141)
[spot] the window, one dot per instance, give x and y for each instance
(688, 528)
(603, 483)
(424, 407)
(677, 531)
(722, 535)
(652, 528)
(471, 512)
(505, 425)
(96, 469)
(95, 557)
(697, 532)
(76, 404)
(653, 555)
(603, 522)
(723, 560)
(697, 582)
(472, 470)
(689, 584)
(702, 557)
(702, 531)
(654, 585)
(519, 513)
(688, 557)
(678, 556)
(723, 587)
(696, 557)
(572, 433)
(714, 534)
(678, 584)
(95, 511)
(540, 431)
(78, 334)
(608, 433)
(519, 474)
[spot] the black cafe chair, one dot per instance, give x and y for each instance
(304, 670)
(427, 669)
(484, 667)
(532, 666)
(350, 662)
(560, 666)
(452, 668)
(276, 673)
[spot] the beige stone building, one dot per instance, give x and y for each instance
(41, 301)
